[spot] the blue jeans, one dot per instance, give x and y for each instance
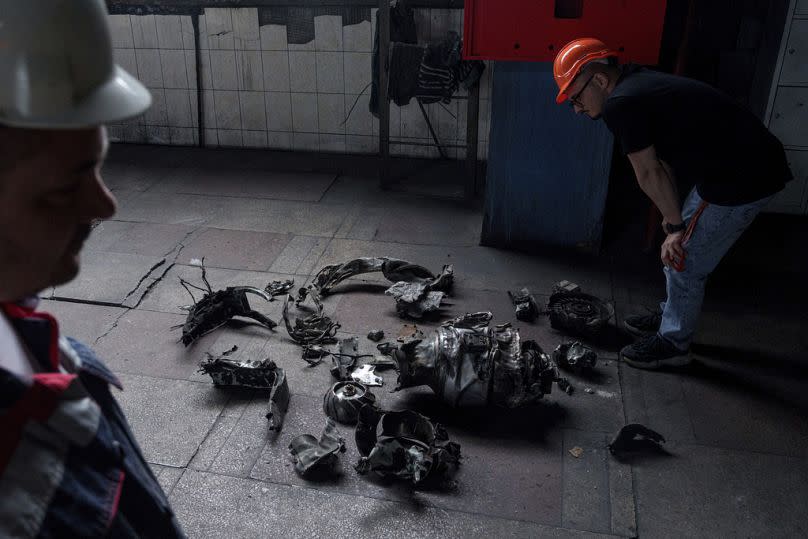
(715, 232)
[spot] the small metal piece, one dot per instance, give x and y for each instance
(366, 374)
(565, 286)
(636, 437)
(227, 372)
(565, 386)
(344, 399)
(525, 304)
(574, 356)
(315, 458)
(278, 288)
(376, 335)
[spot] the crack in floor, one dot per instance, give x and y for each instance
(140, 282)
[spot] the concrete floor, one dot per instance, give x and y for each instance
(735, 421)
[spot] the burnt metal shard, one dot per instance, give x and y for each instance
(314, 354)
(468, 363)
(578, 313)
(565, 386)
(316, 459)
(344, 361)
(366, 374)
(382, 362)
(226, 372)
(343, 401)
(376, 335)
(635, 437)
(406, 445)
(574, 356)
(313, 329)
(393, 269)
(279, 288)
(414, 300)
(217, 308)
(527, 309)
(566, 286)
(416, 289)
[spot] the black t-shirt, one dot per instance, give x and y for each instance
(707, 138)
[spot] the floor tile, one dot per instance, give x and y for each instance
(210, 505)
(247, 184)
(148, 239)
(148, 343)
(236, 249)
(83, 322)
(706, 492)
(170, 418)
(110, 277)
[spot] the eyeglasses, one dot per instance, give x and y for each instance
(574, 99)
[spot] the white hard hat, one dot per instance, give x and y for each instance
(56, 67)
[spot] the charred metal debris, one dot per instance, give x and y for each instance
(314, 329)
(635, 438)
(264, 375)
(417, 290)
(575, 357)
(343, 401)
(216, 309)
(468, 363)
(318, 459)
(526, 307)
(569, 309)
(405, 445)
(578, 313)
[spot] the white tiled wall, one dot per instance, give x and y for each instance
(261, 91)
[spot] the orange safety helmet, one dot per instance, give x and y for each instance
(572, 57)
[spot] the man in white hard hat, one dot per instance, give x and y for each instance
(69, 464)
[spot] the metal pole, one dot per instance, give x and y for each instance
(431, 130)
(383, 17)
(200, 117)
(472, 130)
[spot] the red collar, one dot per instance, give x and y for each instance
(18, 312)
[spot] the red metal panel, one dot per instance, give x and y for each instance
(527, 30)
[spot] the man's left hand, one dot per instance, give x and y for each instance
(673, 254)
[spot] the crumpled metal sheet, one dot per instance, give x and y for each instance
(575, 356)
(636, 438)
(366, 374)
(416, 289)
(376, 335)
(215, 309)
(468, 363)
(527, 309)
(414, 300)
(315, 458)
(578, 313)
(226, 372)
(279, 288)
(406, 445)
(313, 329)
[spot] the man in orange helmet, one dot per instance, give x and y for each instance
(671, 126)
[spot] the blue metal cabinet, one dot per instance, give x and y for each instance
(548, 169)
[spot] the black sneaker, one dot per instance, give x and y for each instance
(654, 352)
(642, 325)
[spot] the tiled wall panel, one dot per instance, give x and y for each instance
(283, 86)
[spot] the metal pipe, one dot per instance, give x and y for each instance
(200, 116)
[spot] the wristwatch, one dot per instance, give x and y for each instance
(671, 229)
